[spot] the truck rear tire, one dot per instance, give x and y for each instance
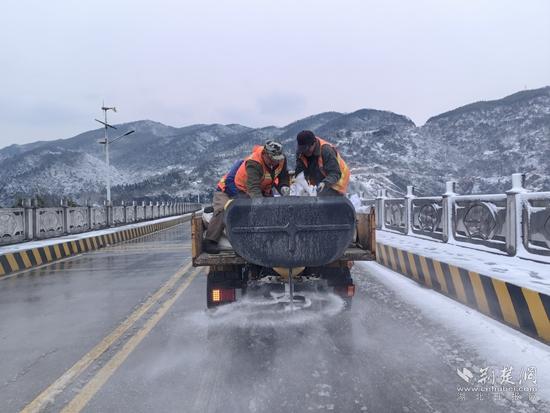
(340, 279)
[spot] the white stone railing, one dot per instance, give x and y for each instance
(31, 223)
(515, 222)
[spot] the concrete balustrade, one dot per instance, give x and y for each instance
(515, 222)
(30, 223)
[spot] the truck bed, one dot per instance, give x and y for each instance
(361, 250)
(353, 253)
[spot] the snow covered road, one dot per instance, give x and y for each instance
(465, 337)
(402, 348)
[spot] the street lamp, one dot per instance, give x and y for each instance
(105, 141)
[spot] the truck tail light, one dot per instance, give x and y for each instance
(223, 295)
(345, 291)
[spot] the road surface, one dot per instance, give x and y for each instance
(125, 329)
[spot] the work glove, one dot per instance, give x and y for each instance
(320, 187)
(285, 191)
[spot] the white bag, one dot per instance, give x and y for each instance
(300, 187)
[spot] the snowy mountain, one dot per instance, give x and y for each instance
(485, 142)
(479, 145)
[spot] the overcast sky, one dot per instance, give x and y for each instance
(258, 62)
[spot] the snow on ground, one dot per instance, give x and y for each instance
(75, 237)
(497, 343)
(518, 271)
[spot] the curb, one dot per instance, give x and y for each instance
(26, 259)
(518, 307)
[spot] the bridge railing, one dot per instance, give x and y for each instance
(394, 214)
(481, 219)
(32, 223)
(536, 222)
(426, 216)
(514, 222)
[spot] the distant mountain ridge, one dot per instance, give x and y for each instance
(480, 145)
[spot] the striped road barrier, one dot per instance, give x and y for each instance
(25, 259)
(521, 308)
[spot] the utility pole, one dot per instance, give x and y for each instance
(105, 109)
(106, 142)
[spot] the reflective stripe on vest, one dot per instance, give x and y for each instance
(267, 182)
(342, 184)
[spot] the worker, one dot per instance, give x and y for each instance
(253, 177)
(321, 164)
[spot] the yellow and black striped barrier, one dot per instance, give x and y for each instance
(22, 260)
(519, 307)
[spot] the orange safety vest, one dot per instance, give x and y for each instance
(342, 184)
(267, 181)
(222, 183)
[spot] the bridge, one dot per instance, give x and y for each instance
(116, 321)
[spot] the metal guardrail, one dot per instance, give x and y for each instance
(31, 223)
(515, 222)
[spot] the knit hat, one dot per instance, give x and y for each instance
(305, 139)
(274, 150)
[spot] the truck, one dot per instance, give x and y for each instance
(283, 247)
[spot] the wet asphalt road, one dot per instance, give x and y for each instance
(168, 354)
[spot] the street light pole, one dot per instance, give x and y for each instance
(107, 157)
(106, 142)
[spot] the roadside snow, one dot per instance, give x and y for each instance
(518, 271)
(496, 342)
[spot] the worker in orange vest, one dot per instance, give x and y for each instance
(321, 164)
(264, 169)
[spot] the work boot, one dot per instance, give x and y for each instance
(211, 247)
